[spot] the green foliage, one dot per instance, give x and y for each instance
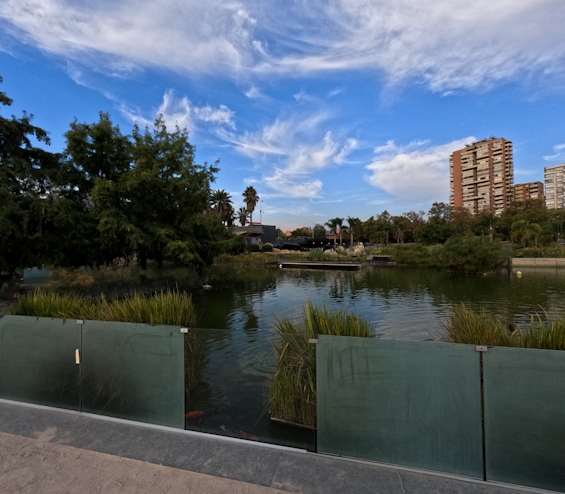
(436, 233)
(252, 248)
(26, 175)
(164, 308)
(267, 247)
(251, 198)
(543, 252)
(302, 232)
(319, 231)
(470, 254)
(293, 389)
(478, 328)
(523, 231)
(410, 255)
(316, 255)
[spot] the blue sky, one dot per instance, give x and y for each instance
(328, 108)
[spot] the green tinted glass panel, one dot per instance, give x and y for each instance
(228, 378)
(401, 402)
(37, 361)
(133, 371)
(525, 416)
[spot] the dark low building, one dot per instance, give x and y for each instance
(269, 234)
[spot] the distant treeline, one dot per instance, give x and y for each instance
(527, 224)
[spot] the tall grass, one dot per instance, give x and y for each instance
(546, 334)
(293, 389)
(50, 304)
(477, 328)
(165, 308)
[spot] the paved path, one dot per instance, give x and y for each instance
(51, 451)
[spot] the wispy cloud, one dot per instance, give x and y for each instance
(559, 151)
(178, 111)
(445, 45)
(418, 171)
(292, 150)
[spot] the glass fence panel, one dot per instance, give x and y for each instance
(525, 416)
(37, 361)
(228, 382)
(408, 403)
(134, 371)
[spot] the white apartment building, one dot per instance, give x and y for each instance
(553, 182)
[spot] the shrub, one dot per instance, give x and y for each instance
(267, 247)
(252, 248)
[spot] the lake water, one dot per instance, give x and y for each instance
(405, 304)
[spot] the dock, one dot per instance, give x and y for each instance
(321, 265)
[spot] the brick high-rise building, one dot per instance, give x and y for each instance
(482, 176)
(530, 190)
(553, 177)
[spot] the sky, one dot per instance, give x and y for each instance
(329, 108)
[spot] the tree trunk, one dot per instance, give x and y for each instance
(143, 260)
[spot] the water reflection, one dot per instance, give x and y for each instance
(400, 303)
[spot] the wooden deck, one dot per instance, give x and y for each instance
(321, 265)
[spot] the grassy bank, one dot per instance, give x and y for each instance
(478, 328)
(293, 389)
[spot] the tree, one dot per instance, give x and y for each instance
(523, 231)
(302, 232)
(26, 175)
(251, 199)
(333, 225)
(439, 213)
(354, 225)
(319, 231)
(242, 215)
(221, 203)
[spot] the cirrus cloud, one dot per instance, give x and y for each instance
(444, 45)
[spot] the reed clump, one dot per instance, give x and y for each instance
(164, 308)
(293, 389)
(478, 328)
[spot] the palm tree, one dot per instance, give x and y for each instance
(251, 198)
(340, 224)
(334, 225)
(353, 223)
(242, 215)
(524, 230)
(229, 215)
(221, 202)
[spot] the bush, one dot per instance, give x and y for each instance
(267, 247)
(252, 248)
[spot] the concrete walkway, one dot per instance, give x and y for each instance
(51, 451)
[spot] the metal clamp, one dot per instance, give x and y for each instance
(313, 340)
(80, 321)
(481, 348)
(184, 330)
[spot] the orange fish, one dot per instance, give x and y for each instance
(250, 437)
(194, 414)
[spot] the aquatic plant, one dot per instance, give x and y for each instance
(164, 308)
(50, 304)
(292, 395)
(478, 328)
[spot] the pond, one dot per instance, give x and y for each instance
(407, 304)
